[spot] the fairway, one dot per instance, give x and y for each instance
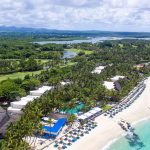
(87, 52)
(22, 74)
(18, 75)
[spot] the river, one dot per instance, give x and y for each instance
(90, 40)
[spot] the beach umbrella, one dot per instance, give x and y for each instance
(64, 146)
(59, 148)
(55, 145)
(86, 132)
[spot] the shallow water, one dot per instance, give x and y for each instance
(69, 54)
(140, 142)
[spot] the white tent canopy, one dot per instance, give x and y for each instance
(97, 109)
(82, 117)
(93, 111)
(90, 113)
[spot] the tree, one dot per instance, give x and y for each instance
(10, 90)
(71, 118)
(30, 84)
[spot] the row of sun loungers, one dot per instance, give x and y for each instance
(74, 135)
(127, 102)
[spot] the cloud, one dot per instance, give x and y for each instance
(131, 15)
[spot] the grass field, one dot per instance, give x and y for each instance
(88, 52)
(22, 74)
(18, 75)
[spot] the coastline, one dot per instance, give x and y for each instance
(108, 130)
(116, 139)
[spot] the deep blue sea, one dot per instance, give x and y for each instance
(141, 142)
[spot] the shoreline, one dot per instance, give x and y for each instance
(124, 134)
(108, 131)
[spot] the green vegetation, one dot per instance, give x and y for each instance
(106, 107)
(10, 90)
(24, 49)
(87, 52)
(20, 75)
(84, 87)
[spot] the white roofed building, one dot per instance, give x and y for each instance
(64, 83)
(98, 70)
(109, 85)
(116, 78)
(16, 106)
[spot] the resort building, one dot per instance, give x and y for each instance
(117, 78)
(139, 66)
(98, 70)
(55, 129)
(17, 106)
(40, 91)
(112, 85)
(92, 113)
(64, 83)
(5, 119)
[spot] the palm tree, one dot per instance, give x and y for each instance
(39, 129)
(50, 123)
(71, 119)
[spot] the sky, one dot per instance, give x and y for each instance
(104, 15)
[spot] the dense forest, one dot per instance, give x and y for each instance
(18, 50)
(119, 57)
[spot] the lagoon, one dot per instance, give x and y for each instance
(69, 54)
(89, 40)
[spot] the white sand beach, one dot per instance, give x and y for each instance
(108, 128)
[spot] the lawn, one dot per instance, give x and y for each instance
(22, 74)
(43, 60)
(88, 52)
(18, 75)
(106, 107)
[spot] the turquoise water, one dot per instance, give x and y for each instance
(141, 142)
(74, 110)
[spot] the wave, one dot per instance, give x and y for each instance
(110, 143)
(141, 120)
(107, 146)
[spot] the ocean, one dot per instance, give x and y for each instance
(140, 142)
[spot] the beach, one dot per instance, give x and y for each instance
(108, 129)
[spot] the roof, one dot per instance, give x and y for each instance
(116, 78)
(98, 70)
(64, 83)
(8, 119)
(14, 110)
(2, 110)
(29, 98)
(2, 114)
(56, 128)
(109, 85)
(90, 113)
(41, 90)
